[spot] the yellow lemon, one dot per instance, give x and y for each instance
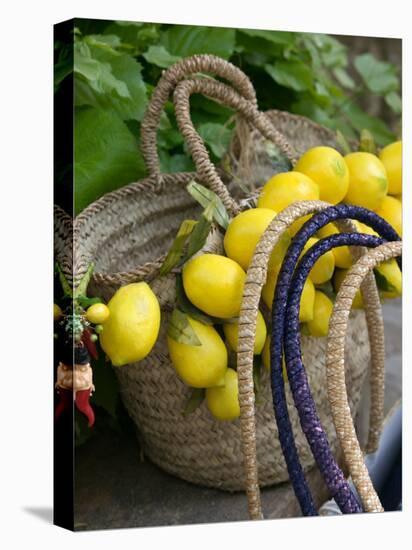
(266, 359)
(389, 275)
(342, 255)
(97, 313)
(285, 188)
(214, 284)
(244, 232)
(200, 366)
(307, 302)
(323, 269)
(326, 167)
(391, 210)
(131, 330)
(223, 401)
(368, 182)
(338, 277)
(322, 310)
(363, 228)
(391, 156)
(57, 312)
(231, 331)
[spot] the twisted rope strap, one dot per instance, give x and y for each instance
(335, 370)
(344, 497)
(255, 279)
(299, 383)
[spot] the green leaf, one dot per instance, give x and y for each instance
(394, 101)
(67, 289)
(327, 288)
(277, 37)
(62, 69)
(383, 283)
(158, 55)
(180, 329)
(110, 81)
(367, 143)
(217, 136)
(361, 120)
(85, 301)
(98, 74)
(198, 237)
(205, 197)
(176, 250)
(106, 155)
(81, 288)
(343, 78)
(342, 143)
(379, 77)
(291, 74)
(194, 401)
(184, 304)
(172, 163)
(186, 40)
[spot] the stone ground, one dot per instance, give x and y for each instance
(116, 489)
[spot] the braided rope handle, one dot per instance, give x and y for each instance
(227, 96)
(255, 279)
(170, 78)
(297, 376)
(335, 369)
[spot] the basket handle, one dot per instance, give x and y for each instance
(305, 405)
(335, 365)
(227, 96)
(255, 279)
(170, 78)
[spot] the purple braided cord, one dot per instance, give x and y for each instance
(310, 422)
(286, 437)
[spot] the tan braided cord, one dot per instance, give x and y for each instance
(227, 96)
(255, 279)
(335, 365)
(166, 84)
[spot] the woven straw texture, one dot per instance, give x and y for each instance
(127, 233)
(336, 384)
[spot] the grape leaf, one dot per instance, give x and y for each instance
(185, 40)
(106, 155)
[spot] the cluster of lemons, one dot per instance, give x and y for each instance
(128, 326)
(214, 283)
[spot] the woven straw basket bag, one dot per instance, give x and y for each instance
(127, 233)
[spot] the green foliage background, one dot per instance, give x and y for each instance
(117, 64)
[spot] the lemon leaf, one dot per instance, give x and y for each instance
(194, 401)
(198, 237)
(205, 197)
(67, 289)
(85, 301)
(367, 142)
(343, 143)
(81, 288)
(383, 283)
(181, 330)
(176, 250)
(304, 329)
(327, 288)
